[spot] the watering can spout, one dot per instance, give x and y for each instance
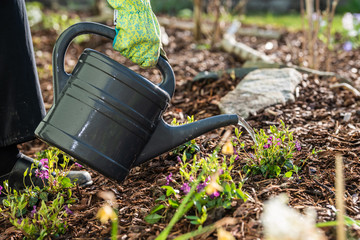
(167, 137)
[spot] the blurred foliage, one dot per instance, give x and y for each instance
(171, 7)
(292, 22)
(185, 13)
(57, 21)
(352, 6)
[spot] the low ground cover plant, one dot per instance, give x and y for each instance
(41, 212)
(273, 155)
(214, 187)
(205, 184)
(351, 31)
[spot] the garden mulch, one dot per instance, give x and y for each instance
(316, 117)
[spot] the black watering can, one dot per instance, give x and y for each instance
(109, 117)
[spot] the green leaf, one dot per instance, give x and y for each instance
(197, 205)
(153, 218)
(65, 182)
(161, 198)
(241, 194)
(194, 222)
(33, 200)
(20, 212)
(170, 190)
(288, 174)
(26, 171)
(192, 217)
(277, 170)
(327, 224)
(173, 203)
(227, 188)
(157, 208)
(44, 196)
(226, 204)
(6, 203)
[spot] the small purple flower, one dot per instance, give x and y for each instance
(191, 178)
(19, 221)
(315, 17)
(1, 188)
(266, 146)
(297, 146)
(214, 195)
(78, 165)
(68, 211)
(32, 213)
(252, 155)
(237, 155)
(168, 179)
(179, 159)
(200, 187)
(42, 174)
(269, 141)
(357, 17)
(45, 162)
(185, 188)
(347, 46)
(221, 171)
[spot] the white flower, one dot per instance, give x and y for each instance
(353, 33)
(224, 235)
(106, 213)
(284, 223)
(348, 22)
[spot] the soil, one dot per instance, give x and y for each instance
(316, 117)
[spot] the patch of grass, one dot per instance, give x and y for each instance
(291, 22)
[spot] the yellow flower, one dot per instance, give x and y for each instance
(228, 148)
(224, 235)
(213, 186)
(106, 213)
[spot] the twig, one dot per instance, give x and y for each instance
(328, 37)
(216, 29)
(309, 12)
(197, 19)
(340, 205)
(302, 11)
(347, 86)
(324, 186)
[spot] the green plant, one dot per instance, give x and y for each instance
(273, 154)
(41, 212)
(58, 21)
(170, 6)
(205, 185)
(189, 148)
(351, 31)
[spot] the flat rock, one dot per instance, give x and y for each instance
(260, 89)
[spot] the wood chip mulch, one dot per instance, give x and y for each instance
(316, 117)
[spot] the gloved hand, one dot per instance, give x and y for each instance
(137, 32)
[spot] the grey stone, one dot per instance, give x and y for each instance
(260, 89)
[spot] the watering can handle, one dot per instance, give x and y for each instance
(61, 76)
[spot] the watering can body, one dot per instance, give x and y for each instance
(109, 117)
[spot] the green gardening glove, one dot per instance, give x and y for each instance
(137, 32)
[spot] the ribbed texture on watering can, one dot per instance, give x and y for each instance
(128, 77)
(105, 115)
